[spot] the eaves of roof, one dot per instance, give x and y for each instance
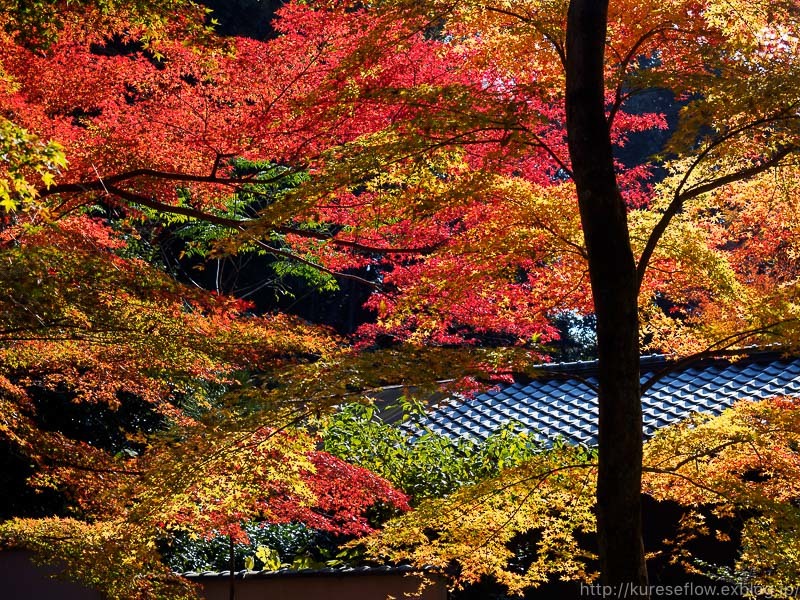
(323, 572)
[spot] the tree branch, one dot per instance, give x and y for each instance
(101, 184)
(317, 266)
(718, 349)
(557, 46)
(679, 198)
(243, 224)
(623, 66)
(691, 480)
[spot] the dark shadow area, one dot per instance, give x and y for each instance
(245, 18)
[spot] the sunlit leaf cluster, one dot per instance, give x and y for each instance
(742, 463)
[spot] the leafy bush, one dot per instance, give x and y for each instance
(288, 541)
(429, 465)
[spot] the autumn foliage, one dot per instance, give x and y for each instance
(742, 463)
(428, 158)
(450, 182)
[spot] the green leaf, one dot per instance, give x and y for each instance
(270, 558)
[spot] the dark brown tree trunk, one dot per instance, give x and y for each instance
(612, 271)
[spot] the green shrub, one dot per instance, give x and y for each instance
(290, 541)
(429, 465)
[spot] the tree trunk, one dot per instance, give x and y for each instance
(612, 271)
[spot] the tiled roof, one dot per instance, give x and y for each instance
(562, 403)
(333, 571)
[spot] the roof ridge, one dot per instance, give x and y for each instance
(748, 354)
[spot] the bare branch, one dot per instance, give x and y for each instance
(178, 210)
(98, 185)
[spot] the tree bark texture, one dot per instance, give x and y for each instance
(612, 271)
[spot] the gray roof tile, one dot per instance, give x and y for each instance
(562, 405)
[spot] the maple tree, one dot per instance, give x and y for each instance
(735, 473)
(541, 502)
(511, 110)
(462, 156)
(742, 463)
(118, 549)
(81, 321)
(87, 320)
